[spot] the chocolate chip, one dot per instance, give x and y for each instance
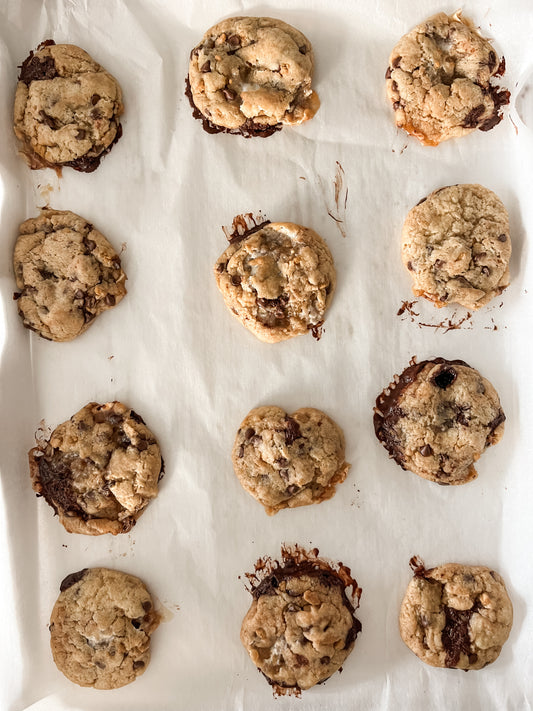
(136, 418)
(100, 417)
(95, 98)
(282, 461)
(138, 665)
(292, 430)
(229, 94)
(110, 300)
(37, 68)
(206, 67)
(90, 244)
(147, 605)
(136, 623)
(221, 267)
(81, 134)
(444, 378)
(100, 664)
(502, 238)
(241, 451)
(236, 280)
(302, 49)
(325, 660)
(492, 61)
(16, 295)
(142, 445)
(301, 661)
(485, 271)
(71, 579)
(79, 294)
(410, 266)
(396, 105)
(439, 264)
(49, 120)
(394, 86)
(284, 474)
(421, 201)
(388, 73)
(396, 62)
(426, 450)
(455, 635)
(234, 41)
(292, 489)
(461, 417)
(500, 417)
(96, 114)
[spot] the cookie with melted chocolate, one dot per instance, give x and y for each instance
(437, 418)
(99, 470)
(456, 616)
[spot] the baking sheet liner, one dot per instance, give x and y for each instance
(173, 352)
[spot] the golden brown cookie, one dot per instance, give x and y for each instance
(67, 108)
(99, 470)
(100, 628)
(252, 76)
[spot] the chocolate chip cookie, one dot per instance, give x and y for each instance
(456, 246)
(301, 625)
(285, 460)
(456, 616)
(278, 279)
(101, 626)
(437, 418)
(99, 470)
(67, 274)
(252, 76)
(439, 80)
(67, 108)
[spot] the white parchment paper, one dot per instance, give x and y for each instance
(173, 352)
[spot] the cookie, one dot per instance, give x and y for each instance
(285, 461)
(439, 80)
(437, 418)
(67, 108)
(67, 274)
(278, 280)
(101, 626)
(301, 625)
(456, 616)
(99, 470)
(252, 76)
(456, 246)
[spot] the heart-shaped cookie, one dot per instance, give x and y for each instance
(286, 460)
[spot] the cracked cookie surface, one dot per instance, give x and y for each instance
(100, 628)
(437, 418)
(99, 470)
(456, 246)
(301, 626)
(285, 461)
(439, 80)
(67, 108)
(278, 281)
(456, 616)
(252, 75)
(67, 273)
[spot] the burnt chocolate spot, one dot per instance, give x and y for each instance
(292, 430)
(455, 637)
(71, 579)
(444, 378)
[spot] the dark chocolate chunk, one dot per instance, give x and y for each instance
(302, 49)
(69, 581)
(110, 300)
(95, 98)
(396, 62)
(236, 280)
(53, 123)
(229, 94)
(234, 40)
(292, 430)
(138, 665)
(426, 450)
(81, 134)
(471, 120)
(249, 433)
(445, 377)
(137, 418)
(206, 67)
(410, 266)
(455, 635)
(500, 417)
(388, 73)
(37, 68)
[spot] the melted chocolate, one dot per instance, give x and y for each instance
(38, 68)
(87, 163)
(248, 129)
(71, 579)
(455, 635)
(387, 411)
